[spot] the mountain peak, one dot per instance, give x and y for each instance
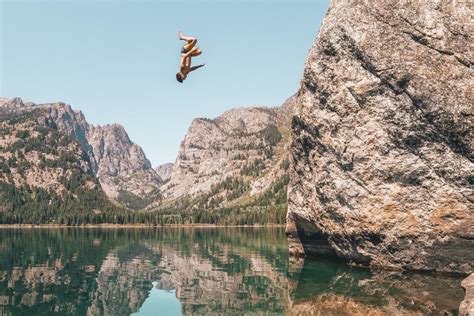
(243, 146)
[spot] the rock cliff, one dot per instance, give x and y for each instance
(382, 153)
(33, 153)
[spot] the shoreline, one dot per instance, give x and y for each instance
(30, 226)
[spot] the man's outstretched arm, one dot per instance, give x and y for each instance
(196, 67)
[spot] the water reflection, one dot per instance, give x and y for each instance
(160, 302)
(197, 271)
(341, 290)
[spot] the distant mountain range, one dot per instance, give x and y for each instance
(230, 160)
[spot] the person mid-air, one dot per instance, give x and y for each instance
(188, 51)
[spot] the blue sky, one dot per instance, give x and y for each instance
(116, 60)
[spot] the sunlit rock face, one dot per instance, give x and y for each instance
(382, 153)
(245, 144)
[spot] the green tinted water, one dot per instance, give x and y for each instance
(172, 271)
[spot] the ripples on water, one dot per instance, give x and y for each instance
(205, 271)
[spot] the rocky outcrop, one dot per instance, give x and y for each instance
(164, 171)
(244, 147)
(382, 154)
(64, 118)
(120, 164)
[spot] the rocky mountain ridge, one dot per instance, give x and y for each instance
(120, 164)
(234, 157)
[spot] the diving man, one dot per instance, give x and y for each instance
(188, 51)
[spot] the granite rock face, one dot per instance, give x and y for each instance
(382, 153)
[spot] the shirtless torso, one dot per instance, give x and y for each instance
(185, 64)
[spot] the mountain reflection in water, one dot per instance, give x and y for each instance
(197, 271)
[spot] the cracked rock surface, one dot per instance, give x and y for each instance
(382, 153)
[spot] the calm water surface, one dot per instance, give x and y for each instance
(199, 271)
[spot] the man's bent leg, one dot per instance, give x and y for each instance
(190, 44)
(196, 52)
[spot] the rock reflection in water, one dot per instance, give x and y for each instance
(329, 288)
(209, 271)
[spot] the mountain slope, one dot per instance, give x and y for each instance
(45, 175)
(236, 163)
(382, 154)
(121, 166)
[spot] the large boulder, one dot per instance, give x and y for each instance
(382, 154)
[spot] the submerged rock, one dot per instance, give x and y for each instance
(382, 153)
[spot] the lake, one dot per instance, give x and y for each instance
(203, 271)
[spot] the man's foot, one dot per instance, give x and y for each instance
(180, 35)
